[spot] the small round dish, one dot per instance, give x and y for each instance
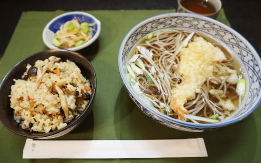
(54, 25)
(6, 112)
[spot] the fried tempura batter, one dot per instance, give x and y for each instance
(195, 67)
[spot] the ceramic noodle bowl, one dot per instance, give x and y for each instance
(243, 52)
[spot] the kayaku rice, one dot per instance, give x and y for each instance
(49, 95)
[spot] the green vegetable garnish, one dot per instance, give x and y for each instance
(226, 112)
(214, 116)
(85, 30)
(150, 36)
(140, 63)
(55, 34)
(132, 83)
(143, 40)
(84, 25)
(79, 43)
(241, 87)
(56, 42)
(240, 75)
(70, 27)
(243, 81)
(147, 76)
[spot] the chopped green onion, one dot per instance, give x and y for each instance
(241, 87)
(214, 116)
(136, 88)
(154, 100)
(226, 112)
(147, 100)
(143, 40)
(147, 76)
(132, 83)
(133, 58)
(132, 80)
(140, 63)
(130, 77)
(131, 71)
(153, 79)
(184, 43)
(194, 117)
(240, 75)
(150, 36)
(136, 69)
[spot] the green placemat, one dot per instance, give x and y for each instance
(114, 115)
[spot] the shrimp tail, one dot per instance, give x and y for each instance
(178, 109)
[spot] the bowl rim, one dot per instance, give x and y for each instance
(176, 121)
(51, 46)
(43, 135)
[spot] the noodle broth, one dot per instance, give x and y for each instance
(156, 78)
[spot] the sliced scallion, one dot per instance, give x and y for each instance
(131, 71)
(184, 43)
(241, 87)
(201, 118)
(136, 69)
(147, 76)
(140, 63)
(214, 116)
(143, 40)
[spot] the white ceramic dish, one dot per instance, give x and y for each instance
(54, 25)
(243, 52)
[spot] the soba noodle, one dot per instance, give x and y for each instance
(152, 73)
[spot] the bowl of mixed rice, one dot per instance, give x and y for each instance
(47, 94)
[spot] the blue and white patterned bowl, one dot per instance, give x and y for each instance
(243, 52)
(54, 25)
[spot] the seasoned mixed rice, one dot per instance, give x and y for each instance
(49, 95)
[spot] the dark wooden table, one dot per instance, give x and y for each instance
(244, 16)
